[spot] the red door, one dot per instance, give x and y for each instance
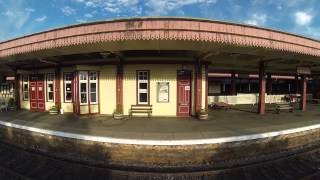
(183, 93)
(37, 102)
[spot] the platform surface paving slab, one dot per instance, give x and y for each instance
(240, 120)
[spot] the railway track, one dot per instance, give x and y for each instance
(19, 164)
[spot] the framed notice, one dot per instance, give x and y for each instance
(163, 92)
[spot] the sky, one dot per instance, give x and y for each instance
(22, 17)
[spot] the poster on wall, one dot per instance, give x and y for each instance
(163, 92)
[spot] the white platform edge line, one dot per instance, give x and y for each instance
(160, 142)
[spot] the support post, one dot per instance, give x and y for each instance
(207, 86)
(269, 82)
(119, 86)
(303, 100)
(233, 84)
(262, 91)
(17, 90)
(57, 91)
(198, 71)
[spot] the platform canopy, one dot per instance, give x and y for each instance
(224, 46)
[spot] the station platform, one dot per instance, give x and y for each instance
(228, 138)
(238, 121)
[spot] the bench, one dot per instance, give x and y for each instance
(316, 101)
(142, 109)
(220, 105)
(280, 107)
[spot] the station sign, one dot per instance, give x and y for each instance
(303, 70)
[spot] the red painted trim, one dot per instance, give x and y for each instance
(207, 86)
(262, 91)
(303, 101)
(198, 69)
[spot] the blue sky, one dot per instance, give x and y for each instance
(21, 17)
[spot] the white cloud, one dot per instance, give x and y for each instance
(165, 6)
(17, 15)
(303, 18)
(257, 19)
(88, 15)
(41, 19)
(68, 11)
(135, 7)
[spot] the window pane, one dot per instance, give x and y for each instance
(83, 98)
(25, 87)
(50, 87)
(83, 87)
(83, 76)
(93, 76)
(50, 96)
(25, 95)
(93, 87)
(68, 96)
(68, 77)
(143, 97)
(143, 85)
(68, 87)
(93, 97)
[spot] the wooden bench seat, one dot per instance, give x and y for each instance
(280, 107)
(140, 109)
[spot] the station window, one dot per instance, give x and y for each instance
(88, 86)
(25, 87)
(83, 87)
(143, 86)
(50, 87)
(68, 77)
(93, 76)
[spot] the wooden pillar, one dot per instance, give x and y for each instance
(269, 82)
(119, 87)
(17, 90)
(233, 84)
(207, 86)
(198, 70)
(262, 91)
(303, 100)
(57, 91)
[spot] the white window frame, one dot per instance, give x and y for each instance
(143, 90)
(85, 81)
(25, 81)
(65, 86)
(49, 82)
(93, 81)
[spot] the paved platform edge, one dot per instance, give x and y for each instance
(160, 142)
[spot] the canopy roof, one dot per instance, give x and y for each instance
(225, 46)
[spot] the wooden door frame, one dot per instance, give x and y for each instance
(191, 91)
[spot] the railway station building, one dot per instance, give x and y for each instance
(173, 66)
